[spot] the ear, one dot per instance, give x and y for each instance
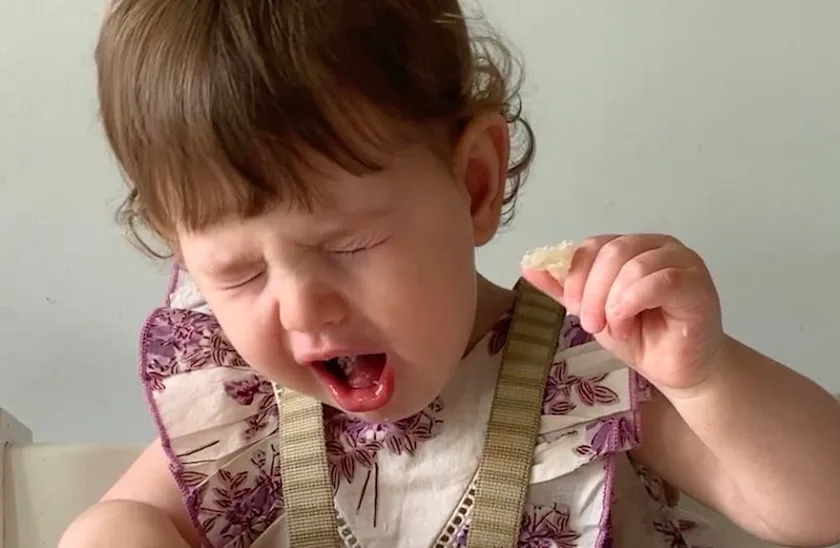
(481, 167)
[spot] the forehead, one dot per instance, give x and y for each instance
(339, 201)
(334, 190)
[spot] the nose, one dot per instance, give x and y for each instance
(308, 306)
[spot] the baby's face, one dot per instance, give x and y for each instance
(367, 302)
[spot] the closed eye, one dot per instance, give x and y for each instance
(357, 249)
(350, 252)
(243, 283)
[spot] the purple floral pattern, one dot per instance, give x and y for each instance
(671, 529)
(653, 484)
(607, 436)
(558, 392)
(179, 341)
(459, 540)
(611, 435)
(663, 493)
(560, 386)
(354, 444)
(236, 504)
(246, 392)
(547, 527)
(348, 435)
(241, 505)
(573, 333)
(670, 532)
(541, 527)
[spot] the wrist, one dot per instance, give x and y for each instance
(717, 372)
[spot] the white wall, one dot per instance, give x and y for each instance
(652, 115)
(72, 292)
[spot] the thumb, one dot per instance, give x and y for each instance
(545, 282)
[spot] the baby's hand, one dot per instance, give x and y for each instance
(648, 299)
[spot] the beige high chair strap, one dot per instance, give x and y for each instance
(308, 495)
(505, 470)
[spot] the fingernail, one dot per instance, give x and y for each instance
(587, 324)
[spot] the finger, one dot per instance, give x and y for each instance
(582, 262)
(643, 264)
(545, 282)
(609, 261)
(663, 288)
(640, 266)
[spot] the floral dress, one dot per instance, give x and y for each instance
(409, 483)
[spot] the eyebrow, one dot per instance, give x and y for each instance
(228, 266)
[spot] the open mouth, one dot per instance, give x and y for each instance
(360, 383)
(361, 371)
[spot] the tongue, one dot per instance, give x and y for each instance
(366, 371)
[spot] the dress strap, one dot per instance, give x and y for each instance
(505, 468)
(308, 495)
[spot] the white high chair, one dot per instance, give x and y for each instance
(44, 486)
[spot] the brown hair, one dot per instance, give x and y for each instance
(212, 105)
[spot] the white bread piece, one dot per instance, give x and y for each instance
(556, 259)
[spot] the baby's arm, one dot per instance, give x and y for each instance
(143, 509)
(758, 442)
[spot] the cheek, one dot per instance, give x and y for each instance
(427, 297)
(255, 337)
(437, 265)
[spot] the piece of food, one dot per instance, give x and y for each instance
(556, 259)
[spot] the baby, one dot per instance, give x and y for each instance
(330, 368)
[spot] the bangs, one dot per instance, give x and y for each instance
(224, 166)
(214, 115)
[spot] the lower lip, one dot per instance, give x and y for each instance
(362, 400)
